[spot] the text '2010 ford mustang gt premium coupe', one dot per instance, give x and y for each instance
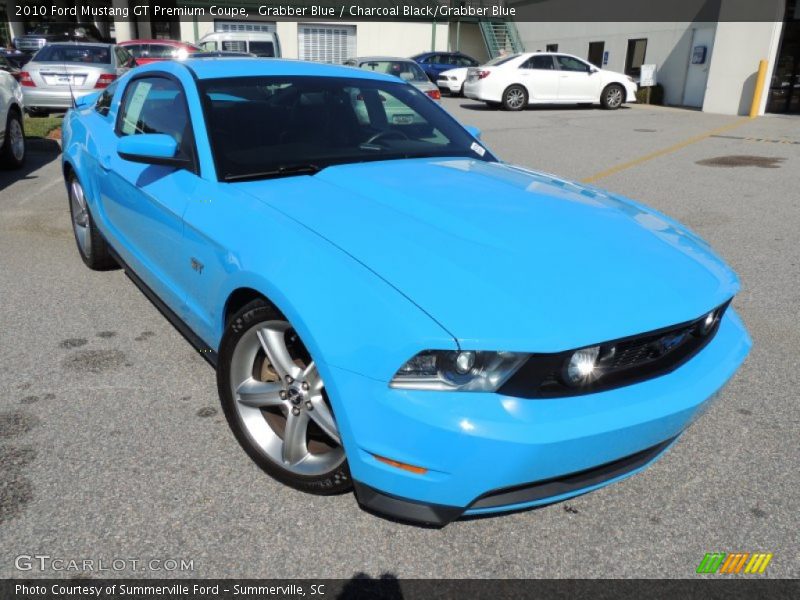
(518, 341)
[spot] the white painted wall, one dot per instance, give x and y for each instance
(738, 48)
(372, 38)
(667, 46)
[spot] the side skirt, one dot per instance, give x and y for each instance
(178, 323)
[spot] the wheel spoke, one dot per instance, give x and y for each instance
(273, 341)
(295, 448)
(323, 417)
(259, 394)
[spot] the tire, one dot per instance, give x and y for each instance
(612, 97)
(92, 246)
(13, 152)
(515, 97)
(259, 350)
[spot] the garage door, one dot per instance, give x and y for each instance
(326, 43)
(246, 26)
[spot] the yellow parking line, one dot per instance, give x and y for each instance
(663, 151)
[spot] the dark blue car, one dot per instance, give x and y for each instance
(434, 63)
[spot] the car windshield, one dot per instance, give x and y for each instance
(264, 127)
(54, 28)
(74, 54)
(404, 69)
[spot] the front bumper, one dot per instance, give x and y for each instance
(55, 99)
(490, 453)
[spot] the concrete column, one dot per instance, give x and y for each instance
(17, 29)
(124, 29)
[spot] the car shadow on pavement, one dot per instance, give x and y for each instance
(483, 107)
(40, 152)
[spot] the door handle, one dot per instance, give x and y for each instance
(105, 162)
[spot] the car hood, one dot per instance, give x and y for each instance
(505, 258)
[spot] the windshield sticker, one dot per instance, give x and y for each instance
(134, 109)
(478, 149)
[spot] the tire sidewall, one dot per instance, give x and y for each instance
(606, 91)
(86, 258)
(334, 482)
(8, 154)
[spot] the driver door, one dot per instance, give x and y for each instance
(145, 203)
(576, 82)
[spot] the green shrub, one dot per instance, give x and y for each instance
(656, 94)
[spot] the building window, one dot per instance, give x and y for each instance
(635, 57)
(326, 43)
(595, 56)
(551, 48)
(244, 26)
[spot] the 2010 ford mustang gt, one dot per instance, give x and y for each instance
(516, 341)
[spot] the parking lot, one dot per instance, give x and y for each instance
(113, 444)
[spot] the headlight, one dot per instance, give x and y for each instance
(449, 370)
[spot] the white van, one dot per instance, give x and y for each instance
(258, 43)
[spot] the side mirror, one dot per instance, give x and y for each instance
(151, 149)
(593, 70)
(473, 131)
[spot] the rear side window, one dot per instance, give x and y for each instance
(74, 54)
(136, 50)
(264, 49)
(157, 105)
(543, 63)
(234, 45)
(103, 104)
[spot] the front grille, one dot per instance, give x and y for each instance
(621, 362)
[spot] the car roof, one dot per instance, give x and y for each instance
(156, 41)
(378, 58)
(94, 44)
(262, 67)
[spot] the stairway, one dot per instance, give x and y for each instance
(501, 36)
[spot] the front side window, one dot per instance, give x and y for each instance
(263, 127)
(74, 54)
(568, 63)
(137, 50)
(157, 105)
(463, 61)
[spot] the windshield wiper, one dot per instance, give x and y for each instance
(282, 171)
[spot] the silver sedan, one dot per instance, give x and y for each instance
(404, 68)
(62, 72)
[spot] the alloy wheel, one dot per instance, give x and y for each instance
(80, 217)
(17, 139)
(515, 98)
(280, 398)
(613, 97)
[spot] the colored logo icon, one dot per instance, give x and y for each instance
(736, 563)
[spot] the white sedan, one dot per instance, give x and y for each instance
(452, 81)
(518, 80)
(12, 132)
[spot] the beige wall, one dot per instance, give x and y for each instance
(468, 39)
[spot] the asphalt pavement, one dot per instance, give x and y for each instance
(113, 444)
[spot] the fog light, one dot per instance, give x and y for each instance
(464, 362)
(582, 366)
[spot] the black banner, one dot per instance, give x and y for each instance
(389, 587)
(400, 10)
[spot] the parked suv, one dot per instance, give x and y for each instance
(434, 63)
(45, 33)
(266, 45)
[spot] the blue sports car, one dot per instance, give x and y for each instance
(517, 341)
